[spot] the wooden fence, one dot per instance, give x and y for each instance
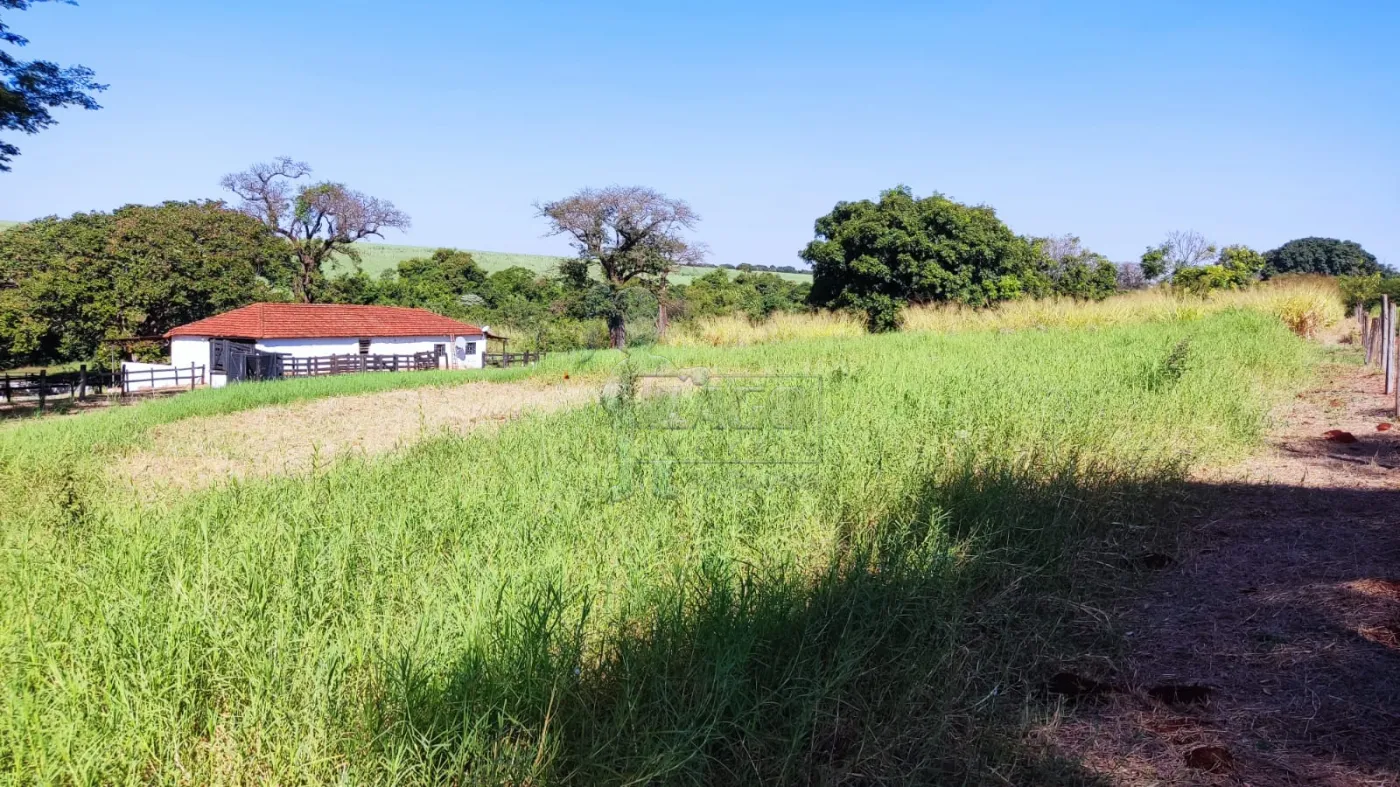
(348, 364)
(504, 360)
(43, 387)
(161, 379)
(1378, 337)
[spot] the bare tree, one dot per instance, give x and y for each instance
(1130, 276)
(1181, 250)
(1062, 251)
(633, 234)
(1187, 249)
(318, 219)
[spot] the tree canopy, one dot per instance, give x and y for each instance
(1181, 250)
(877, 256)
(1236, 267)
(319, 220)
(1327, 256)
(635, 235)
(67, 284)
(1076, 272)
(30, 88)
(756, 294)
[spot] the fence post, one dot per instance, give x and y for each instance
(7, 388)
(82, 382)
(43, 384)
(1384, 346)
(191, 375)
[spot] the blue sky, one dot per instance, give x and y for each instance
(1251, 122)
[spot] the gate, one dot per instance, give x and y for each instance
(242, 361)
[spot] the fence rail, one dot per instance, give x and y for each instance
(43, 387)
(504, 360)
(161, 379)
(350, 364)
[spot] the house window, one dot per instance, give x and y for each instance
(364, 347)
(439, 350)
(471, 348)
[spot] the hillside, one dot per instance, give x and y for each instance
(378, 257)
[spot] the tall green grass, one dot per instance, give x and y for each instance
(492, 610)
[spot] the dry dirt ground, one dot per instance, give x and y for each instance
(200, 452)
(1269, 653)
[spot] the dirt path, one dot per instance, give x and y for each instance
(1270, 655)
(200, 452)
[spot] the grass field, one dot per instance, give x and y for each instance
(508, 609)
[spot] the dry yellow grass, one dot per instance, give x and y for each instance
(1308, 305)
(200, 452)
(739, 331)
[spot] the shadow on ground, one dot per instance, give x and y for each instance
(1289, 617)
(933, 648)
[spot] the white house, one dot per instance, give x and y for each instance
(314, 330)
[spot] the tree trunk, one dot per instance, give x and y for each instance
(617, 331)
(663, 319)
(306, 275)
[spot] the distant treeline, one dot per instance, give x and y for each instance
(68, 287)
(747, 266)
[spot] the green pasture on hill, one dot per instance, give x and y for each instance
(379, 257)
(532, 607)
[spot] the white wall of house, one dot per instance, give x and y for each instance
(396, 345)
(185, 350)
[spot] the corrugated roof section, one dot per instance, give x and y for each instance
(323, 320)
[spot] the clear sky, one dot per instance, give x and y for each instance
(1251, 122)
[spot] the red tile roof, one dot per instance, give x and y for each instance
(323, 320)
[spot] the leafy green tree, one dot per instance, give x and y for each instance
(1236, 268)
(1076, 272)
(1181, 250)
(67, 284)
(1153, 264)
(29, 89)
(318, 220)
(753, 293)
(353, 287)
(876, 257)
(1326, 256)
(438, 282)
(1367, 290)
